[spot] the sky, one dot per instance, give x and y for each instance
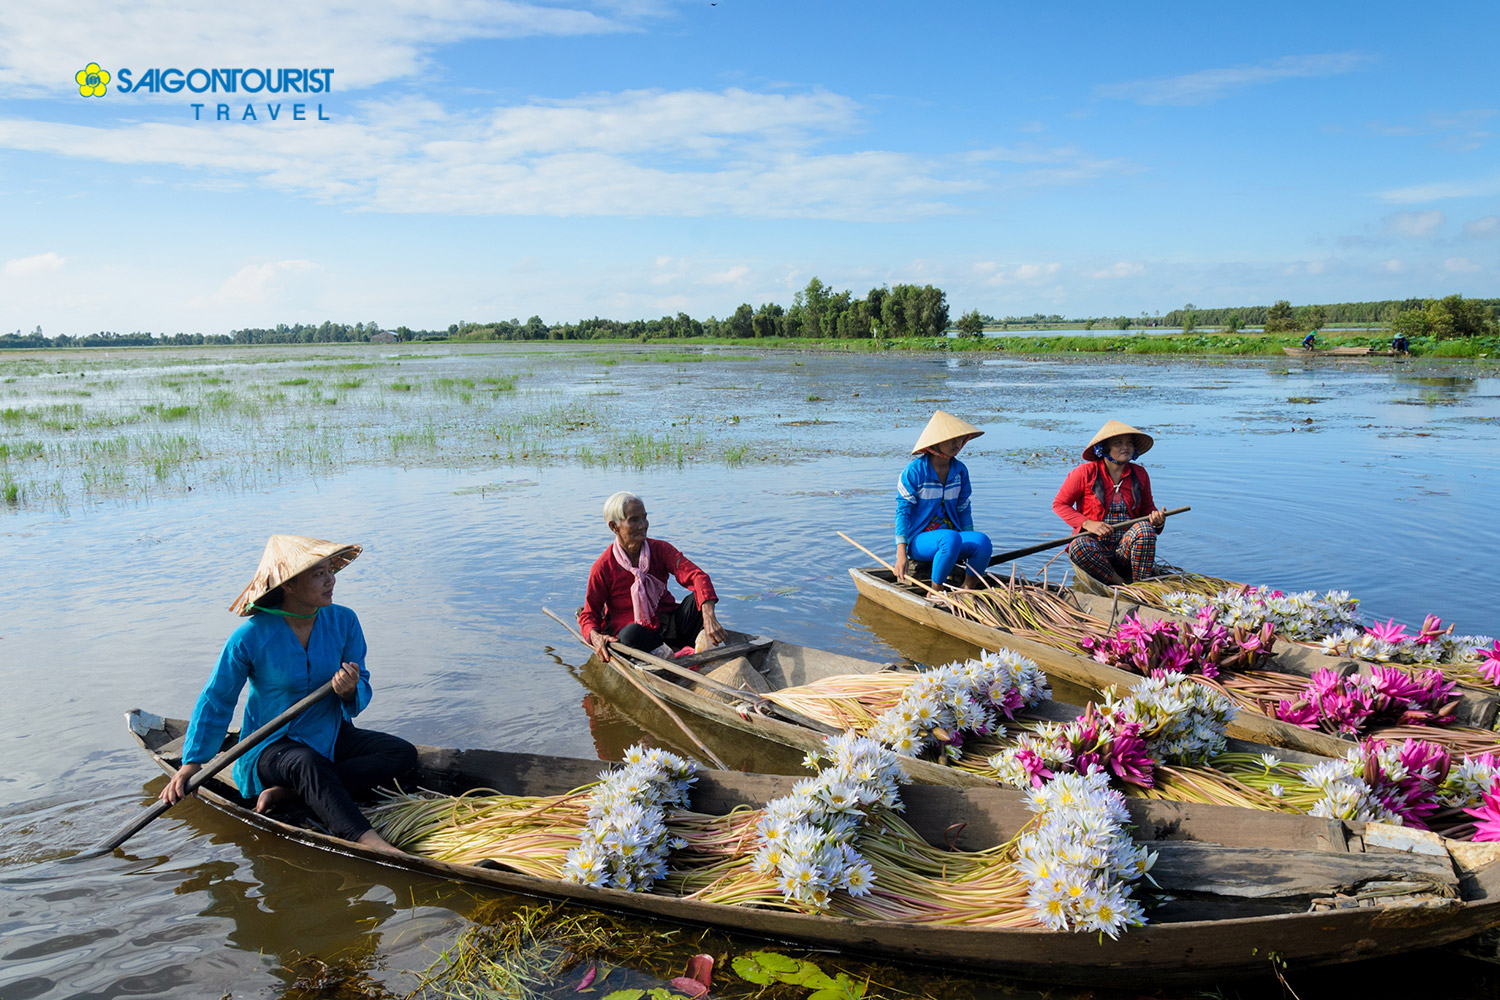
(474, 160)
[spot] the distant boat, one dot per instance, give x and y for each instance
(1336, 352)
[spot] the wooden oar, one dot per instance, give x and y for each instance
(1044, 546)
(207, 771)
(623, 672)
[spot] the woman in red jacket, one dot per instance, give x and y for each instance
(1106, 489)
(627, 598)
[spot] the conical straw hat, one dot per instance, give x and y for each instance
(1114, 428)
(284, 558)
(944, 427)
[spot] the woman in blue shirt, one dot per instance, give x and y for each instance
(297, 639)
(933, 520)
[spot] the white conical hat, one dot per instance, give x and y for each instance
(944, 427)
(284, 558)
(1114, 428)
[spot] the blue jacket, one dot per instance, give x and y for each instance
(920, 496)
(265, 651)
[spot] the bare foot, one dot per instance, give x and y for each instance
(375, 842)
(272, 797)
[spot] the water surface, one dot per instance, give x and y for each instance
(1371, 476)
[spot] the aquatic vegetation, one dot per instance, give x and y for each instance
(1350, 705)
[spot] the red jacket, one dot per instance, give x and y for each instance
(1085, 494)
(606, 604)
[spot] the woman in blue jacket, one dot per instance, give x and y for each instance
(933, 520)
(295, 641)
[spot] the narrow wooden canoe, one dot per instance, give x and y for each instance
(1338, 353)
(756, 735)
(879, 586)
(1247, 886)
(1478, 706)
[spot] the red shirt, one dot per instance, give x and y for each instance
(606, 604)
(1086, 493)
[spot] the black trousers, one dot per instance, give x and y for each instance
(362, 760)
(678, 629)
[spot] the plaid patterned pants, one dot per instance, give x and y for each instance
(1130, 554)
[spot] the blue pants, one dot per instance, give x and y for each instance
(945, 548)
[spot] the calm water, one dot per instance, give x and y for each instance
(1376, 477)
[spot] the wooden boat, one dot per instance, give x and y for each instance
(1478, 706)
(753, 734)
(879, 586)
(1337, 352)
(1248, 888)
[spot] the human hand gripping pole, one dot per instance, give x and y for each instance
(1044, 546)
(207, 771)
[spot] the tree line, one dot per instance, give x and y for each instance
(894, 312)
(1451, 316)
(816, 311)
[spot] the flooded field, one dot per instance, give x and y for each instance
(137, 489)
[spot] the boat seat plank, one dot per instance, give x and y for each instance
(1258, 873)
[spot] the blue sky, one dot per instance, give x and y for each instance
(640, 157)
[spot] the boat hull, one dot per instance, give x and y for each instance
(1195, 950)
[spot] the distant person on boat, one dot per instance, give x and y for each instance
(933, 519)
(1400, 345)
(1106, 489)
(296, 640)
(1309, 341)
(627, 600)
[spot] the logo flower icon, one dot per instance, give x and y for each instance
(92, 81)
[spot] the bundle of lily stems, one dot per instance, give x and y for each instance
(837, 844)
(1464, 662)
(1040, 613)
(1160, 741)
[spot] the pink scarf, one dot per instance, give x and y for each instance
(646, 592)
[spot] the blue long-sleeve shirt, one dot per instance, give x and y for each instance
(265, 652)
(921, 495)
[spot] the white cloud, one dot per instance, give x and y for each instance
(634, 154)
(41, 263)
(1120, 269)
(256, 284)
(733, 276)
(1439, 190)
(1414, 225)
(1016, 274)
(1485, 227)
(1209, 85)
(1393, 266)
(365, 43)
(1460, 265)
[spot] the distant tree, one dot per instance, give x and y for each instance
(534, 329)
(970, 324)
(1311, 318)
(768, 320)
(1279, 318)
(1189, 319)
(1123, 322)
(403, 333)
(1232, 324)
(741, 324)
(910, 311)
(1447, 318)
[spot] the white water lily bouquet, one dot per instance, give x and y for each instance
(1306, 616)
(970, 697)
(808, 837)
(1181, 720)
(1079, 859)
(625, 843)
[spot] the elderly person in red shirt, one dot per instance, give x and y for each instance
(1106, 489)
(627, 599)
